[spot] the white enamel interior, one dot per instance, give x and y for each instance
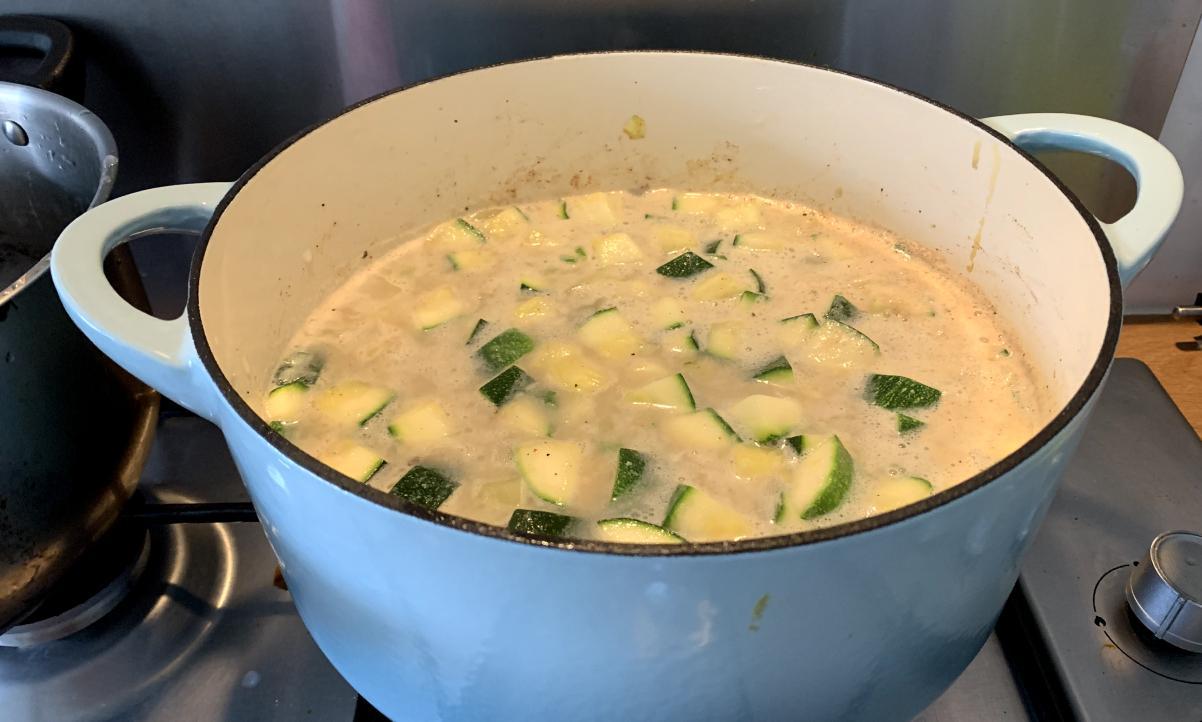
(540, 129)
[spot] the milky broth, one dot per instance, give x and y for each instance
(928, 326)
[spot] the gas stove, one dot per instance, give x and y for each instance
(188, 621)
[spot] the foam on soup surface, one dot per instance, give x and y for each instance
(656, 367)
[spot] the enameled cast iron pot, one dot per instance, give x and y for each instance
(435, 617)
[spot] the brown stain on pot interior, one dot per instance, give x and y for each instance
(976, 154)
(993, 174)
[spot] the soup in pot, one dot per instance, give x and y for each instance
(661, 367)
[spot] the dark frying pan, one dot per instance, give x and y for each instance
(74, 429)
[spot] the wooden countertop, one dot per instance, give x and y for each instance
(1154, 340)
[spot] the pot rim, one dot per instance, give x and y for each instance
(756, 544)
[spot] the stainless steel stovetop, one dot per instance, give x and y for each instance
(205, 633)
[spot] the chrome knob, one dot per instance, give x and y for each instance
(1165, 590)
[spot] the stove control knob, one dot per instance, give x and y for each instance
(1165, 590)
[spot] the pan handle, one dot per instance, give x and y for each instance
(159, 352)
(1137, 235)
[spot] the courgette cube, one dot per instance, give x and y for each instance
(505, 222)
(436, 307)
(551, 469)
(751, 298)
(670, 392)
(456, 235)
(609, 333)
(711, 248)
(681, 343)
(624, 530)
(820, 480)
(354, 460)
(899, 392)
(760, 286)
(476, 331)
(505, 385)
(470, 229)
(565, 367)
(797, 443)
(505, 348)
(616, 249)
(694, 203)
(425, 487)
(703, 429)
(299, 366)
(697, 516)
(672, 239)
(725, 340)
(603, 209)
(897, 492)
(906, 424)
(472, 259)
(352, 403)
(422, 424)
(286, 403)
(836, 344)
(766, 419)
(631, 465)
(533, 522)
(531, 310)
(757, 462)
(777, 371)
(841, 310)
(718, 286)
(526, 415)
(667, 313)
(742, 215)
(685, 265)
(793, 332)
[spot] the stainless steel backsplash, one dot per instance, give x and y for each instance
(199, 89)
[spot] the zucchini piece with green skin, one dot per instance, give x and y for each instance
(841, 309)
(421, 425)
(505, 348)
(711, 248)
(353, 403)
(899, 392)
(798, 443)
(425, 487)
(470, 229)
(285, 403)
(551, 469)
(722, 341)
(805, 320)
(685, 265)
(900, 491)
(625, 530)
(299, 366)
(631, 465)
(760, 287)
(505, 385)
(906, 424)
(609, 333)
(358, 462)
(436, 307)
(820, 480)
(670, 392)
(697, 516)
(750, 298)
(776, 371)
(527, 415)
(563, 210)
(539, 523)
(766, 419)
(680, 342)
(703, 429)
(480, 326)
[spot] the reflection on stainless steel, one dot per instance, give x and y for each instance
(1187, 312)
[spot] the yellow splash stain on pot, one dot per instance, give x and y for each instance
(993, 174)
(635, 128)
(757, 613)
(976, 154)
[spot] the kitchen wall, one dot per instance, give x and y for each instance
(198, 89)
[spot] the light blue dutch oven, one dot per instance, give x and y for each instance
(436, 617)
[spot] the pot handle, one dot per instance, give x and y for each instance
(160, 353)
(1137, 235)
